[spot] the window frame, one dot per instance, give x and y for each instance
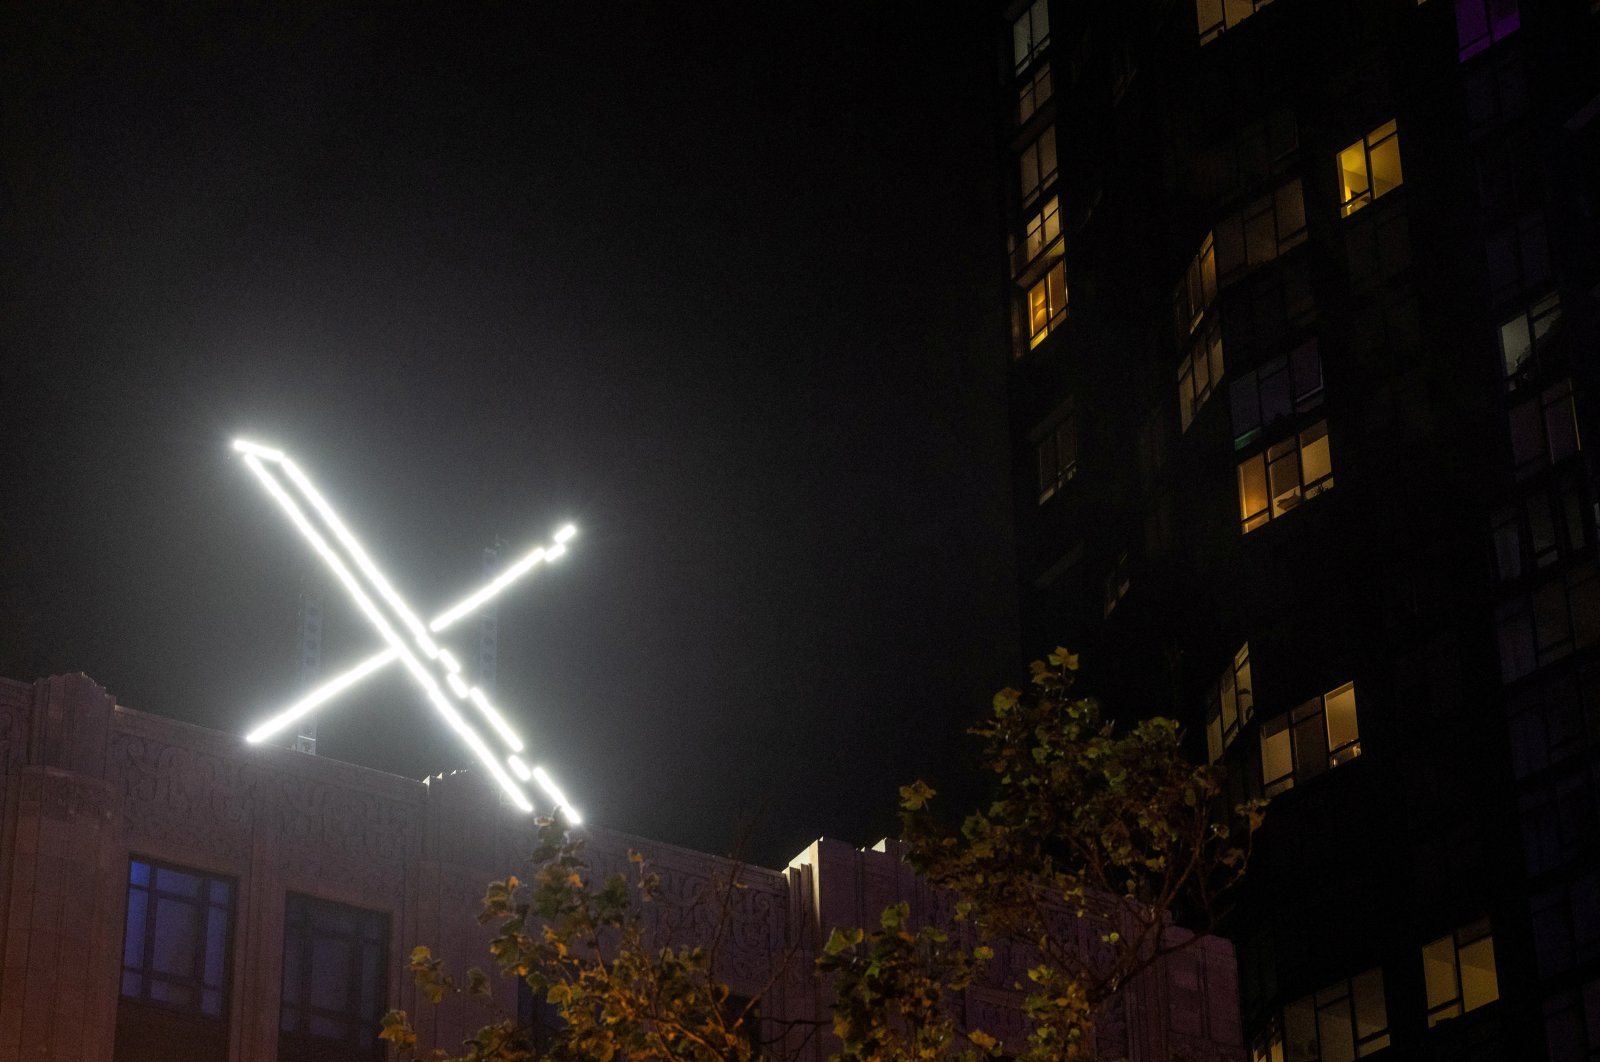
(300, 938)
(1230, 705)
(1061, 424)
(1241, 239)
(1029, 95)
(1446, 953)
(1224, 20)
(1044, 176)
(1342, 994)
(1277, 460)
(1029, 36)
(1374, 141)
(1296, 745)
(1040, 313)
(203, 903)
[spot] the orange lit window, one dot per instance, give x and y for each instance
(1311, 740)
(1040, 231)
(1348, 1019)
(1459, 972)
(1047, 304)
(1033, 93)
(1213, 17)
(1036, 165)
(1056, 448)
(1231, 704)
(1369, 168)
(1290, 471)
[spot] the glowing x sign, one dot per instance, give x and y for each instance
(430, 665)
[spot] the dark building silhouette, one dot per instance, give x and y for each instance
(1302, 377)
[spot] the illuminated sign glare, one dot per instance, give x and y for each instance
(433, 668)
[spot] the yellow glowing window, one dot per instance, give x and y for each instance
(1213, 17)
(1459, 972)
(1037, 164)
(1310, 740)
(1369, 168)
(1291, 471)
(1047, 304)
(1231, 705)
(1035, 90)
(1043, 229)
(1345, 1021)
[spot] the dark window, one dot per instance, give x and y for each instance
(335, 981)
(1479, 23)
(1281, 387)
(1559, 616)
(175, 946)
(1260, 232)
(1543, 429)
(1519, 258)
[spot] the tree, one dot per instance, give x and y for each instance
(590, 952)
(1093, 842)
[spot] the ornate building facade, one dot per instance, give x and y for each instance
(172, 893)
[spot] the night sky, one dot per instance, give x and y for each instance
(719, 283)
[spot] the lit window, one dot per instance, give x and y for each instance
(1030, 34)
(1310, 740)
(1370, 168)
(1216, 16)
(1034, 93)
(1037, 165)
(1291, 471)
(1200, 373)
(335, 980)
(1281, 387)
(1259, 233)
(1523, 335)
(1544, 429)
(1041, 230)
(1480, 23)
(1346, 1020)
(1197, 290)
(175, 947)
(1231, 704)
(1047, 304)
(1057, 450)
(1459, 971)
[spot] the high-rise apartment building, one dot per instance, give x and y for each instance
(1306, 312)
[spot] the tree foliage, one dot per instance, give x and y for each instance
(1094, 840)
(590, 951)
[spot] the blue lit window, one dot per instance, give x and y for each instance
(175, 948)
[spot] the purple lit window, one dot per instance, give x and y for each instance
(176, 942)
(1480, 23)
(335, 980)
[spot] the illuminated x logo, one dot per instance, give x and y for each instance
(430, 665)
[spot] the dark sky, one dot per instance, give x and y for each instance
(717, 282)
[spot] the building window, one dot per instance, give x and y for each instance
(1041, 230)
(1037, 165)
(1480, 23)
(1523, 336)
(1034, 93)
(1291, 471)
(175, 947)
(1266, 309)
(1377, 248)
(1281, 387)
(1030, 34)
(1560, 615)
(335, 980)
(1519, 258)
(1459, 971)
(1047, 304)
(1200, 373)
(1346, 1020)
(1056, 445)
(1197, 290)
(1496, 91)
(1547, 527)
(1544, 429)
(1572, 1023)
(1566, 924)
(1230, 705)
(1311, 740)
(1214, 17)
(1117, 583)
(1260, 232)
(1369, 168)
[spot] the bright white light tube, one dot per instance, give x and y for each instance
(555, 795)
(370, 609)
(325, 692)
